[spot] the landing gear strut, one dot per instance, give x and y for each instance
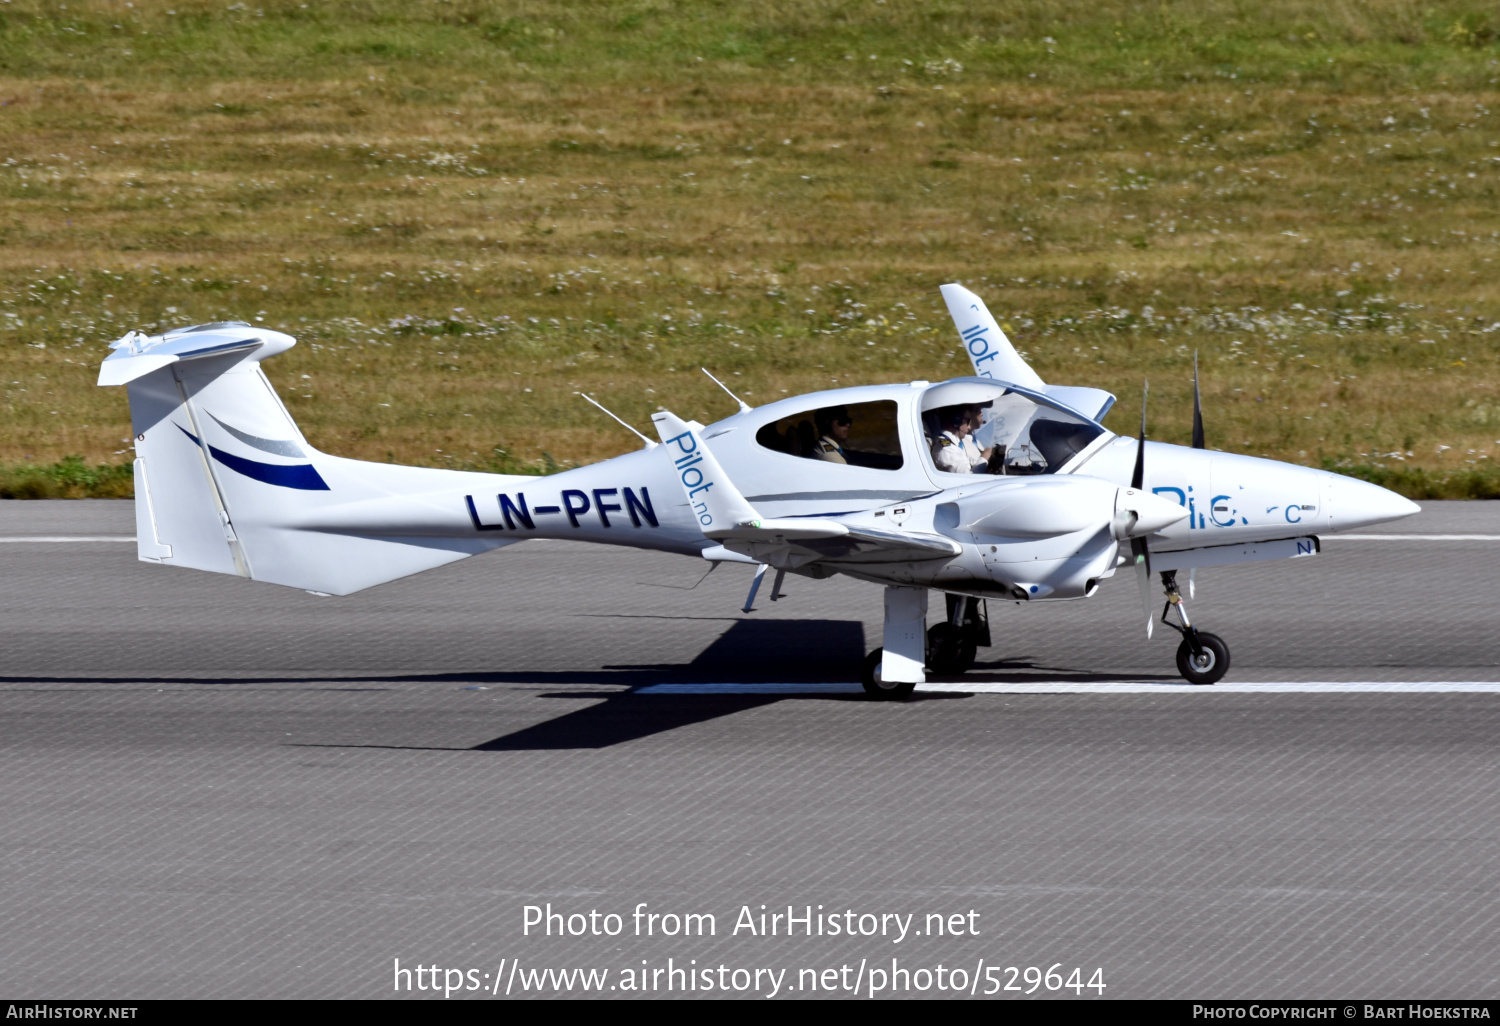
(894, 670)
(1202, 658)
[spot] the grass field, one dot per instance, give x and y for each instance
(468, 212)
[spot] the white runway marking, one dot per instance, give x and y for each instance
(53, 538)
(750, 689)
(1123, 687)
(57, 538)
(1410, 537)
(1183, 688)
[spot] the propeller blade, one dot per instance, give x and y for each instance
(1142, 553)
(1138, 477)
(1193, 583)
(1197, 408)
(1138, 547)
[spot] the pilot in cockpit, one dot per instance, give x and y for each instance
(833, 423)
(955, 451)
(977, 417)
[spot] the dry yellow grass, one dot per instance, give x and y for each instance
(468, 213)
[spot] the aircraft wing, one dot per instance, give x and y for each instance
(726, 517)
(989, 350)
(1095, 402)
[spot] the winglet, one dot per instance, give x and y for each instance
(712, 497)
(989, 350)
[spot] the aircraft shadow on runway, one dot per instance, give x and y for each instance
(749, 652)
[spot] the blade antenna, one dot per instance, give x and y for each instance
(649, 443)
(743, 408)
(1197, 408)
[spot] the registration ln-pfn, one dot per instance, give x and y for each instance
(226, 482)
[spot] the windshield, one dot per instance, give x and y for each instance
(991, 429)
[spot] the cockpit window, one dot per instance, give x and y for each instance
(1003, 432)
(856, 434)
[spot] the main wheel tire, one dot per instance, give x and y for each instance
(950, 649)
(869, 676)
(1208, 668)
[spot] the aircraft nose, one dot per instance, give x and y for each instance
(1350, 503)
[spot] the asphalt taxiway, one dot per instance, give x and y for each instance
(220, 788)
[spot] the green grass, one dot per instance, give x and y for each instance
(468, 212)
(69, 478)
(1420, 483)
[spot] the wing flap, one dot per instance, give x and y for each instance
(774, 530)
(854, 545)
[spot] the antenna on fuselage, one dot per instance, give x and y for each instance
(649, 443)
(743, 408)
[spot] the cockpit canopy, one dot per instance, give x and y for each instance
(1026, 430)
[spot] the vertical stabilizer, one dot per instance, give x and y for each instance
(989, 350)
(225, 481)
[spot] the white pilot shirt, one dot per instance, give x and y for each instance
(976, 457)
(951, 454)
(829, 451)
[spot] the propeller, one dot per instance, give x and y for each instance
(1198, 443)
(1140, 551)
(1197, 408)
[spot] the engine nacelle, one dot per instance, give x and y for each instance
(1056, 537)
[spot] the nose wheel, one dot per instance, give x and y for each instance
(1202, 658)
(1208, 664)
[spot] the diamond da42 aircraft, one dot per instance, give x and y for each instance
(889, 484)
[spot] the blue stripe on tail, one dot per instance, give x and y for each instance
(304, 476)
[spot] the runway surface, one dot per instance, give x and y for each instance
(220, 788)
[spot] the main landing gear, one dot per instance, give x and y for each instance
(894, 670)
(871, 675)
(1202, 658)
(952, 645)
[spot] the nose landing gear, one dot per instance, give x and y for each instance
(1202, 658)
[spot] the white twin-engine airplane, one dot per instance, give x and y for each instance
(890, 484)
